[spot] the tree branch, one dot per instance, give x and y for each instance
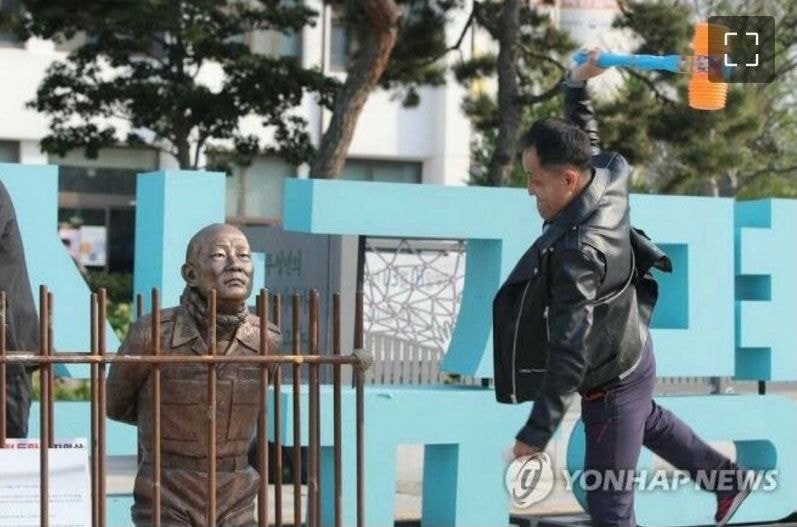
(384, 17)
(651, 85)
(544, 96)
(673, 183)
(624, 9)
(459, 41)
(746, 180)
(199, 144)
(545, 58)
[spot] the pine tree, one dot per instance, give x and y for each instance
(746, 149)
(529, 67)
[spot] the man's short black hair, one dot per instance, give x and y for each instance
(558, 142)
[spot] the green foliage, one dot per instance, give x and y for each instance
(142, 63)
(120, 316)
(119, 290)
(542, 51)
(118, 286)
(421, 42)
(483, 145)
(65, 389)
(746, 149)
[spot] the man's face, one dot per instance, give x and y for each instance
(554, 187)
(222, 262)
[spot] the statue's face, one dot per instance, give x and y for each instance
(221, 261)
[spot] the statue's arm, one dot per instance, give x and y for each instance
(275, 344)
(126, 380)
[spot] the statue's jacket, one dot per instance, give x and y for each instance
(184, 388)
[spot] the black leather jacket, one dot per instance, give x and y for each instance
(573, 313)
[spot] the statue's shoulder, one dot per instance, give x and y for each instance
(139, 337)
(166, 315)
(170, 314)
(254, 321)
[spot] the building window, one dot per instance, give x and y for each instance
(97, 180)
(101, 192)
(275, 43)
(10, 8)
(382, 171)
(256, 191)
(339, 44)
(112, 173)
(9, 152)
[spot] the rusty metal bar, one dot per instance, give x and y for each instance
(3, 387)
(313, 481)
(297, 416)
(51, 392)
(278, 422)
(139, 305)
(139, 314)
(336, 403)
(85, 358)
(211, 517)
(262, 448)
(155, 320)
(102, 311)
(98, 360)
(96, 414)
(360, 380)
(44, 412)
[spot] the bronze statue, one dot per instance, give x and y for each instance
(218, 257)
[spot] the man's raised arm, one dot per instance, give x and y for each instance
(578, 107)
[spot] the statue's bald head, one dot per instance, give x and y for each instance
(218, 257)
(207, 234)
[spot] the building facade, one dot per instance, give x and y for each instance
(425, 144)
(429, 143)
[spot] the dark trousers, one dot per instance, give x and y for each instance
(618, 423)
(17, 401)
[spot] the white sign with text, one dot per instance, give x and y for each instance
(69, 485)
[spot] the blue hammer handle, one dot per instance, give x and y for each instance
(644, 62)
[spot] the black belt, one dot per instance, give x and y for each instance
(200, 464)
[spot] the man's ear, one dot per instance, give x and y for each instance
(572, 178)
(189, 274)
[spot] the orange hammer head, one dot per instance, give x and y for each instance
(703, 93)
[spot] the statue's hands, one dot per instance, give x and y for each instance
(589, 69)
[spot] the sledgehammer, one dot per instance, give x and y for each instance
(703, 93)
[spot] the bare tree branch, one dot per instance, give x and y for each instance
(544, 96)
(459, 41)
(545, 58)
(651, 85)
